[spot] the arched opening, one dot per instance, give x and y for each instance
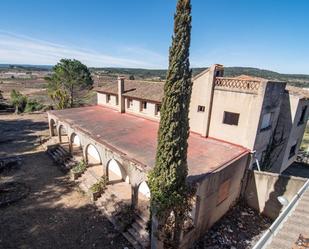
(92, 155)
(63, 135)
(116, 172)
(119, 182)
(76, 147)
(143, 203)
(53, 128)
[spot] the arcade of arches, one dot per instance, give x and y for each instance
(119, 179)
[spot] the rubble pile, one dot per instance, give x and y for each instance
(240, 228)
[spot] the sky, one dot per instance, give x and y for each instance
(268, 34)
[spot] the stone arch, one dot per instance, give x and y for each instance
(53, 128)
(143, 188)
(92, 155)
(143, 199)
(63, 134)
(116, 172)
(75, 144)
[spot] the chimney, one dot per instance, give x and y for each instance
(121, 101)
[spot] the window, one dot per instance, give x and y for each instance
(266, 121)
(143, 105)
(158, 108)
(108, 98)
(130, 103)
(230, 118)
(293, 150)
(302, 116)
(200, 108)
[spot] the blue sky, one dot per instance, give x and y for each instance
(269, 34)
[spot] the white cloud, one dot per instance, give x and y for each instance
(20, 49)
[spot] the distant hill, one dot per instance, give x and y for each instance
(300, 80)
(25, 67)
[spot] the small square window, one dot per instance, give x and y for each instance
(201, 108)
(230, 118)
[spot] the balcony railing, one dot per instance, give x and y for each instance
(251, 86)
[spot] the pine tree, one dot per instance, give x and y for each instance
(167, 181)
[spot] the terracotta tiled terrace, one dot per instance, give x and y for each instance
(136, 138)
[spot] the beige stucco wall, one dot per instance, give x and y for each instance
(249, 107)
(208, 210)
(102, 100)
(201, 91)
(135, 109)
(262, 189)
(202, 95)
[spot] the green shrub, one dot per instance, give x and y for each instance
(80, 167)
(100, 185)
(33, 105)
(18, 100)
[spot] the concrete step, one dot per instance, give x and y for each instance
(143, 240)
(138, 227)
(131, 239)
(63, 150)
(141, 220)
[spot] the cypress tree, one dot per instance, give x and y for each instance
(167, 181)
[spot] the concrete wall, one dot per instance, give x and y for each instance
(215, 195)
(297, 130)
(248, 105)
(288, 125)
(202, 94)
(102, 100)
(262, 189)
(272, 103)
(149, 112)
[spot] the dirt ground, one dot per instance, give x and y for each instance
(55, 214)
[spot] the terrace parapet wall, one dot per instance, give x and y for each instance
(237, 85)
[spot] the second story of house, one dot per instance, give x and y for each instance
(241, 110)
